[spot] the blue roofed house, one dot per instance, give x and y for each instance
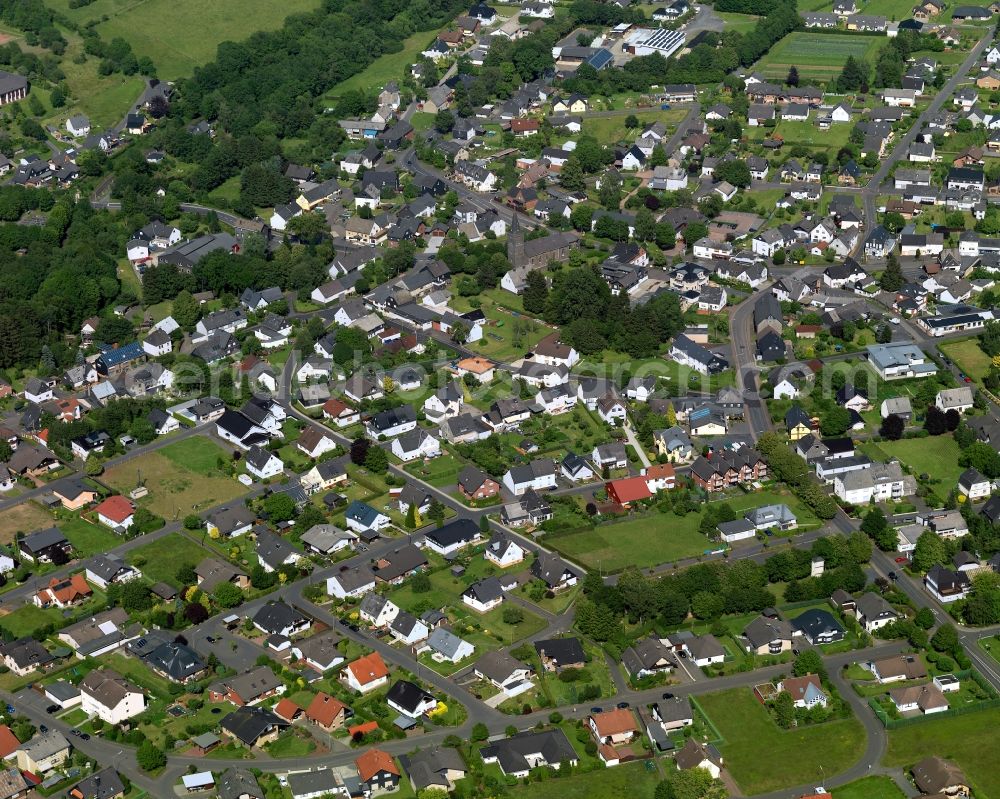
(363, 518)
(113, 360)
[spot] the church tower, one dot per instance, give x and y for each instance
(515, 244)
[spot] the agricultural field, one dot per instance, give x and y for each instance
(182, 478)
(968, 357)
(816, 55)
(180, 35)
(762, 757)
(969, 740)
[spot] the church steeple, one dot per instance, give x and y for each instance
(515, 243)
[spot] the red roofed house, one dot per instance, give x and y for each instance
(116, 511)
(8, 741)
(366, 674)
(63, 592)
(287, 710)
(326, 711)
(524, 127)
(341, 413)
(378, 771)
(660, 477)
(627, 490)
(611, 729)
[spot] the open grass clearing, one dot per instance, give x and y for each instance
(24, 518)
(642, 541)
(936, 456)
(742, 23)
(968, 357)
(761, 757)
(869, 788)
(25, 620)
(88, 538)
(968, 740)
(612, 129)
(390, 66)
(182, 478)
(180, 35)
(628, 781)
(160, 560)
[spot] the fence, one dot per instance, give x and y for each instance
(969, 674)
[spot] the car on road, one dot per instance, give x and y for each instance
(623, 705)
(85, 736)
(901, 560)
(668, 695)
(52, 709)
(968, 379)
(211, 639)
(893, 576)
(597, 710)
(42, 728)
(894, 320)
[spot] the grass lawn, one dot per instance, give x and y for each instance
(291, 744)
(182, 478)
(164, 557)
(816, 55)
(738, 22)
(509, 336)
(869, 788)
(441, 472)
(808, 134)
(87, 538)
(628, 781)
(934, 455)
(969, 740)
(493, 625)
(25, 518)
(968, 357)
(387, 67)
(643, 541)
(137, 672)
(762, 757)
(611, 129)
(182, 34)
(25, 620)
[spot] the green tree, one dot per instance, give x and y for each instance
(227, 595)
(892, 278)
(376, 460)
(645, 225)
(946, 639)
(480, 732)
(924, 618)
(185, 310)
(876, 527)
(808, 662)
(149, 757)
(572, 177)
(135, 596)
(835, 421)
(279, 507)
(784, 710)
(853, 76)
(536, 292)
(929, 551)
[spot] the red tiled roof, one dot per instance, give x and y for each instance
(117, 508)
(369, 668)
(629, 489)
(8, 742)
(324, 709)
(374, 761)
(287, 709)
(362, 729)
